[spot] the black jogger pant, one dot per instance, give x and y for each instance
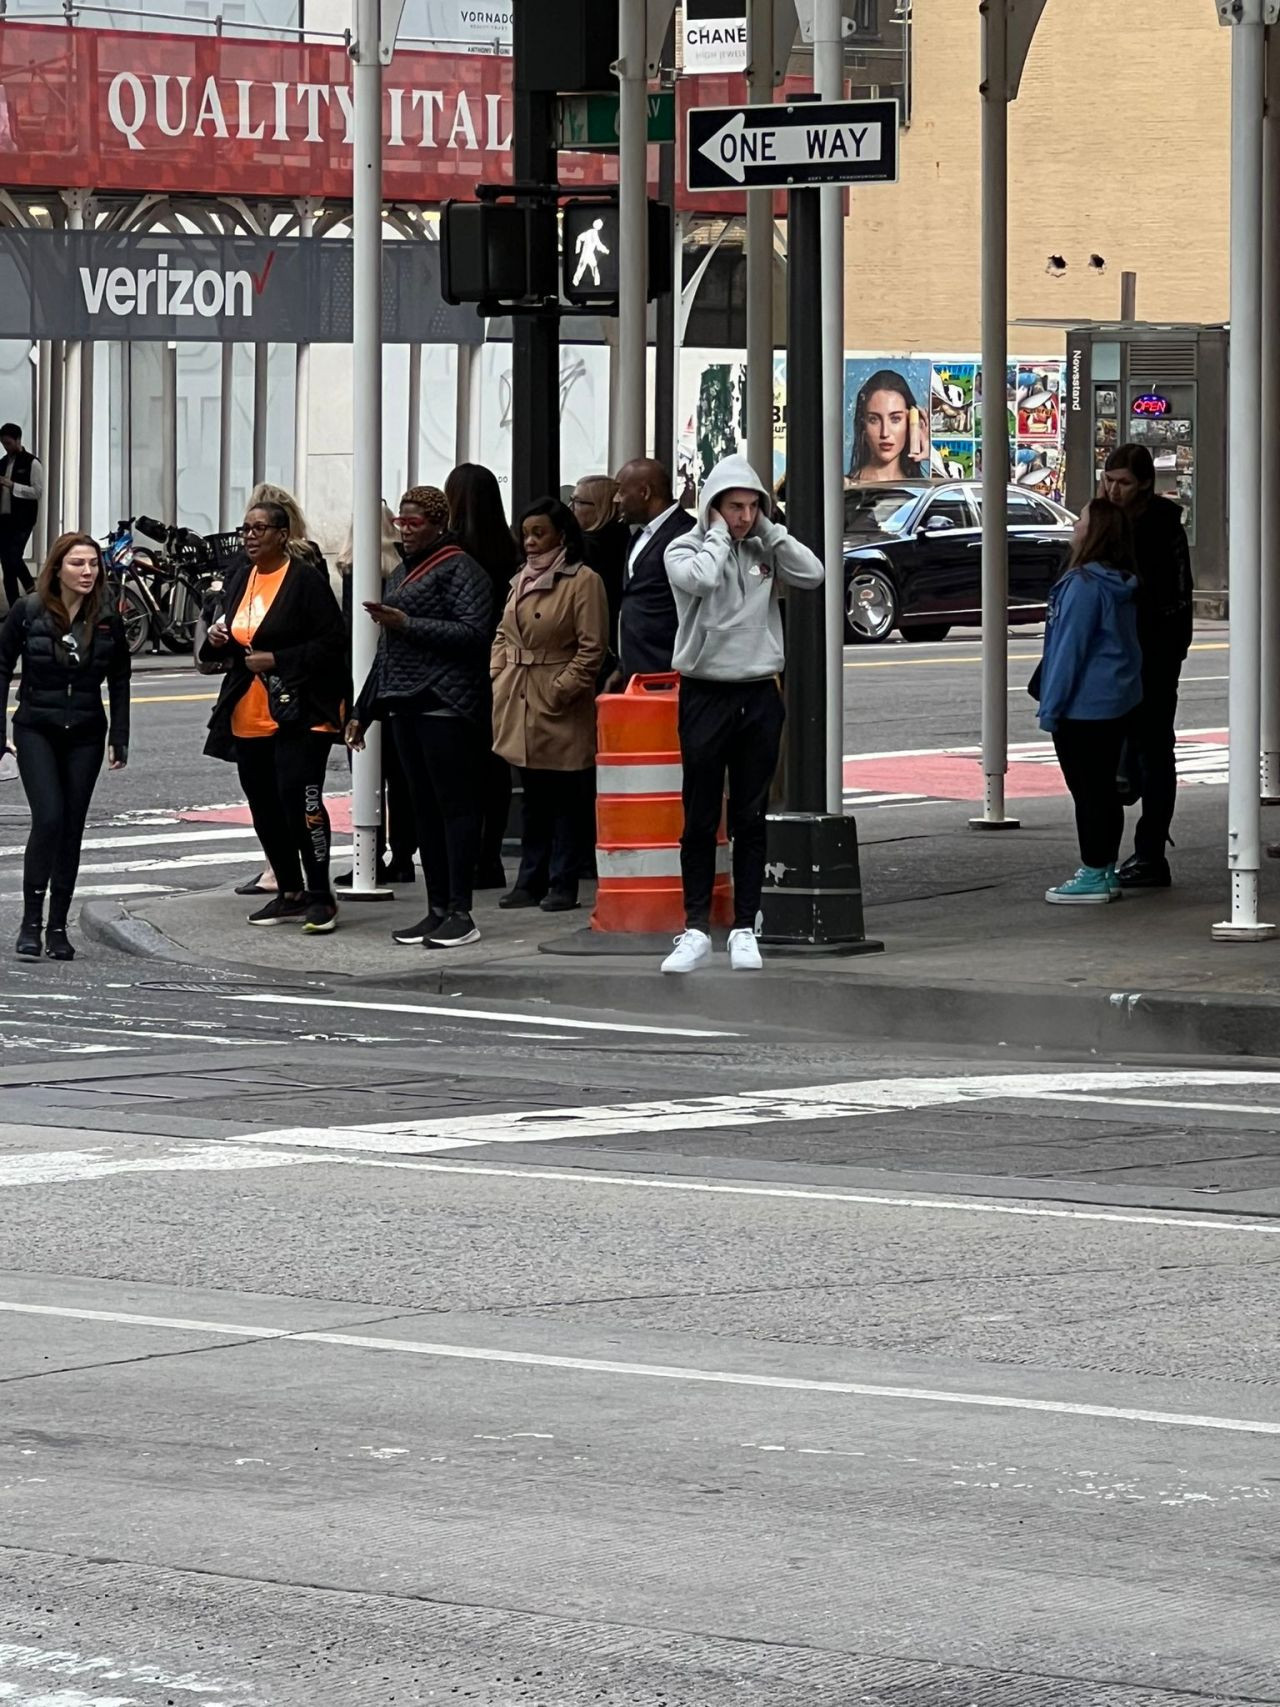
(1152, 741)
(733, 730)
(443, 760)
(1089, 751)
(495, 810)
(17, 577)
(559, 830)
(58, 770)
(282, 776)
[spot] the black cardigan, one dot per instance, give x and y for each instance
(443, 650)
(305, 631)
(55, 694)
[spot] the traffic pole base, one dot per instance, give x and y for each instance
(378, 894)
(812, 901)
(995, 823)
(1227, 932)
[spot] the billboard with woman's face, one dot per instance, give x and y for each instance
(887, 433)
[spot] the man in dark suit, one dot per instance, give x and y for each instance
(647, 621)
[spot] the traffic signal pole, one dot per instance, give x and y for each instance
(633, 230)
(828, 80)
(535, 338)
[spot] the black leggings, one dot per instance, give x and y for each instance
(444, 763)
(17, 577)
(58, 770)
(283, 780)
(1088, 750)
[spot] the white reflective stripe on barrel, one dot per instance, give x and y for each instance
(647, 862)
(638, 779)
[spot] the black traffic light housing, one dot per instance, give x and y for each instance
(565, 47)
(498, 252)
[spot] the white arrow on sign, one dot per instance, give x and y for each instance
(734, 148)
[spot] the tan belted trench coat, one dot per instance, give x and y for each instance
(545, 662)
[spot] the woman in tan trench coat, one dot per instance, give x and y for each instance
(546, 658)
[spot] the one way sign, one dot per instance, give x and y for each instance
(784, 147)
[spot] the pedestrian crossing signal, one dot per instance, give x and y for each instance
(593, 258)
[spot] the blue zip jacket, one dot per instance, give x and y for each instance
(1092, 665)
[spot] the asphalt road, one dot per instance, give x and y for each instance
(369, 1347)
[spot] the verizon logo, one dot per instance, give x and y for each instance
(173, 291)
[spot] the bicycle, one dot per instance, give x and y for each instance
(159, 596)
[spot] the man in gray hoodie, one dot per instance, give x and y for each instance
(727, 576)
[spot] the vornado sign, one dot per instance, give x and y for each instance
(196, 289)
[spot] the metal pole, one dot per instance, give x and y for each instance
(760, 257)
(828, 81)
(69, 424)
(535, 338)
(53, 444)
(466, 402)
(664, 364)
(260, 376)
(805, 777)
(84, 504)
(633, 229)
(1245, 481)
(44, 445)
(226, 399)
(1270, 428)
(995, 423)
(126, 435)
(1128, 296)
(414, 441)
(169, 433)
(366, 352)
(302, 383)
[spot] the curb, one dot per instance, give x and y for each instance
(800, 998)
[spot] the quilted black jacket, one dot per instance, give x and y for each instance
(444, 648)
(55, 694)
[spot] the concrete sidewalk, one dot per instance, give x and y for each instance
(973, 955)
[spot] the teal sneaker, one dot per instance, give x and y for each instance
(1090, 887)
(1114, 884)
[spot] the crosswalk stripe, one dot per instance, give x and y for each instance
(184, 862)
(176, 836)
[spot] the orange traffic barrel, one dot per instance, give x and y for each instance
(640, 813)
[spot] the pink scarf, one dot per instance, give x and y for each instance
(539, 570)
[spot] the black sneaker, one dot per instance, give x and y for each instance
(1137, 873)
(414, 936)
(57, 945)
(281, 910)
(559, 901)
(457, 931)
(519, 897)
(321, 916)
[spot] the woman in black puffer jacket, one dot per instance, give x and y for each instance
(431, 679)
(69, 642)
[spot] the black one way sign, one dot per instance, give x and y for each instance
(784, 147)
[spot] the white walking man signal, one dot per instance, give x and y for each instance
(589, 248)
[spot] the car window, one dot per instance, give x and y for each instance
(1024, 512)
(953, 507)
(872, 513)
(1045, 517)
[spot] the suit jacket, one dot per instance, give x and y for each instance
(647, 621)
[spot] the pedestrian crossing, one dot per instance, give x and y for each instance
(156, 853)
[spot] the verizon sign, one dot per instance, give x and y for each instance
(148, 286)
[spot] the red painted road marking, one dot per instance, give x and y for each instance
(339, 814)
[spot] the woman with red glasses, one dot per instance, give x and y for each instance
(430, 680)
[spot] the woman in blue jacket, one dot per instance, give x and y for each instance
(1090, 684)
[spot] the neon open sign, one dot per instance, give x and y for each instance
(1151, 403)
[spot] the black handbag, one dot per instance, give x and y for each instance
(284, 702)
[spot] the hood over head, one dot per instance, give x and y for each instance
(734, 473)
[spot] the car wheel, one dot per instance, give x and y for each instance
(927, 631)
(871, 607)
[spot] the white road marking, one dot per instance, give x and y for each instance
(651, 1371)
(748, 1108)
(68, 1166)
(68, 1662)
(83, 889)
(817, 1194)
(1161, 1102)
(347, 1004)
(172, 837)
(183, 862)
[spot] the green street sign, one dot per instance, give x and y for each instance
(591, 121)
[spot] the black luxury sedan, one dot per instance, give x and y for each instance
(913, 557)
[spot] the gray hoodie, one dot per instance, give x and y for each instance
(727, 591)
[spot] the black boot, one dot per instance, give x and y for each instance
(56, 944)
(29, 932)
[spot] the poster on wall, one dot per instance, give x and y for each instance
(887, 418)
(1038, 402)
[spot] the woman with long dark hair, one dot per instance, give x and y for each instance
(478, 521)
(890, 431)
(430, 681)
(69, 643)
(1090, 682)
(280, 710)
(546, 659)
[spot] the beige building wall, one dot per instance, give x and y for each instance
(1119, 145)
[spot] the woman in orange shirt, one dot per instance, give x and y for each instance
(280, 711)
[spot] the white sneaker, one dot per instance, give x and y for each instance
(692, 950)
(744, 951)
